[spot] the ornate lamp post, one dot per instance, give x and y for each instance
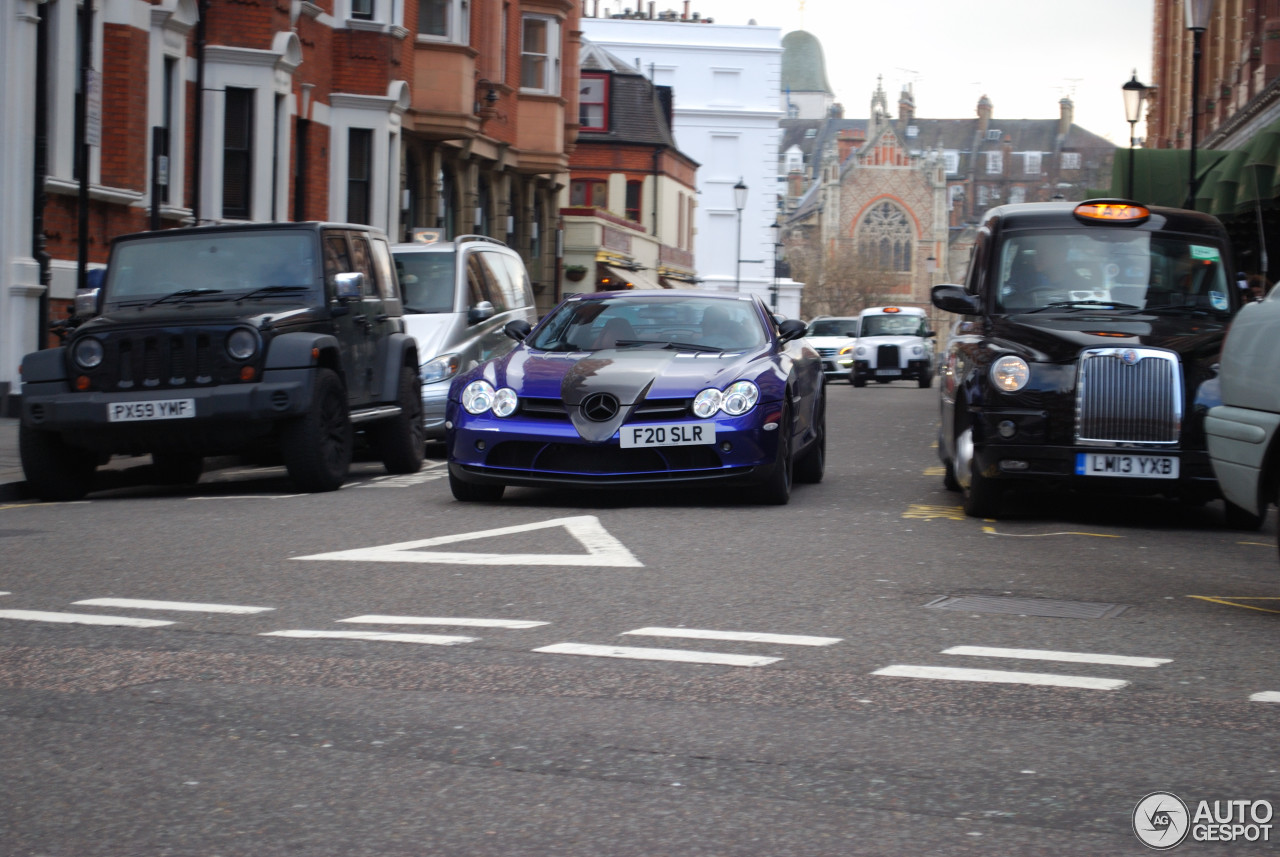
(1197, 14)
(1134, 92)
(739, 202)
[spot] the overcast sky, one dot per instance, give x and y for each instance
(1025, 55)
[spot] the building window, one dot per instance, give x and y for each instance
(593, 102)
(1032, 163)
(984, 196)
(995, 163)
(237, 153)
(951, 160)
(1071, 160)
(1017, 194)
(885, 238)
(359, 174)
(444, 20)
(540, 54)
(362, 10)
(587, 193)
(633, 200)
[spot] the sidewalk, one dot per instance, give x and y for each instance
(12, 484)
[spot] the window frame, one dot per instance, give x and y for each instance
(605, 81)
(549, 60)
(995, 162)
(243, 155)
(596, 193)
(359, 182)
(457, 25)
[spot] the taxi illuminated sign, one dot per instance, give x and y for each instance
(892, 309)
(1112, 212)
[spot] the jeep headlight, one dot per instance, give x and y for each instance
(1010, 374)
(242, 344)
(439, 369)
(88, 353)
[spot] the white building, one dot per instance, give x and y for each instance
(726, 84)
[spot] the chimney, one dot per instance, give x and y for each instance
(846, 143)
(906, 105)
(984, 115)
(1067, 116)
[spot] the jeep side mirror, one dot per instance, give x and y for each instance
(349, 286)
(480, 312)
(956, 299)
(792, 328)
(517, 329)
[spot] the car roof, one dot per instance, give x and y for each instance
(1049, 215)
(449, 246)
(662, 293)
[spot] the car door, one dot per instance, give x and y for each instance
(378, 324)
(349, 319)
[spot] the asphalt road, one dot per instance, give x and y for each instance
(490, 707)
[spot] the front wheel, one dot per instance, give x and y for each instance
(55, 470)
(317, 446)
(776, 490)
(177, 468)
(982, 496)
(857, 380)
(1240, 518)
(926, 380)
(401, 440)
(813, 461)
(469, 492)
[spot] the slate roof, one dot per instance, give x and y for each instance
(639, 111)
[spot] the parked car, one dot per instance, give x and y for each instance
(1086, 351)
(643, 389)
(833, 338)
(458, 295)
(1244, 446)
(216, 340)
(893, 343)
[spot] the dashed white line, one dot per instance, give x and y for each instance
(678, 655)
(1266, 696)
(188, 606)
(1042, 655)
(1001, 677)
(81, 618)
(374, 636)
(514, 624)
(737, 636)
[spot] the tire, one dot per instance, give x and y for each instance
(177, 468)
(926, 381)
(55, 470)
(469, 492)
(401, 441)
(982, 497)
(1239, 518)
(857, 380)
(813, 461)
(776, 489)
(949, 480)
(316, 447)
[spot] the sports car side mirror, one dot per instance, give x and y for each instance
(517, 329)
(956, 299)
(792, 328)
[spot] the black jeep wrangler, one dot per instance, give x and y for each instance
(220, 340)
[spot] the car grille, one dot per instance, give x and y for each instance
(887, 357)
(649, 409)
(162, 359)
(600, 460)
(828, 351)
(1128, 395)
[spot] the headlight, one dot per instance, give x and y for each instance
(917, 350)
(442, 367)
(477, 397)
(242, 344)
(739, 398)
(706, 403)
(861, 351)
(504, 402)
(848, 349)
(88, 353)
(1010, 373)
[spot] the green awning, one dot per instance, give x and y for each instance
(1160, 176)
(1223, 183)
(1258, 175)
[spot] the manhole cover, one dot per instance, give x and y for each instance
(1028, 606)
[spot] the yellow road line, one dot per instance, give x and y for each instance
(992, 531)
(924, 512)
(1233, 603)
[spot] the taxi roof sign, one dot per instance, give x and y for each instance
(1112, 211)
(891, 309)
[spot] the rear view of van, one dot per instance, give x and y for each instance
(458, 295)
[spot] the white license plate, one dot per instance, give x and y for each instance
(671, 434)
(157, 409)
(1126, 465)
(888, 371)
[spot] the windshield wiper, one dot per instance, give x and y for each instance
(272, 290)
(1082, 305)
(1171, 308)
(183, 294)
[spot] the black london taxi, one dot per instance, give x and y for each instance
(1085, 353)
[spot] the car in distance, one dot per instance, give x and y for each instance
(218, 340)
(1244, 445)
(893, 343)
(458, 296)
(833, 338)
(643, 389)
(1085, 352)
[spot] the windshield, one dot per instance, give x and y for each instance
(893, 325)
(833, 327)
(621, 322)
(232, 263)
(426, 279)
(1127, 269)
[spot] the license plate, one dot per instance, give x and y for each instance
(1127, 465)
(671, 434)
(157, 409)
(888, 371)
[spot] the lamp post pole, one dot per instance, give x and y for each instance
(739, 202)
(1133, 91)
(1197, 21)
(777, 242)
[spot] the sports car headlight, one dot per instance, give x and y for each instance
(504, 402)
(442, 367)
(706, 403)
(1010, 373)
(739, 398)
(477, 397)
(242, 343)
(88, 353)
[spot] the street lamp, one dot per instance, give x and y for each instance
(1196, 18)
(739, 202)
(1133, 95)
(777, 243)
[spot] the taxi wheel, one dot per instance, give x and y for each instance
(1240, 518)
(949, 476)
(857, 380)
(982, 497)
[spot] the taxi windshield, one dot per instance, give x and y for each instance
(893, 325)
(1121, 269)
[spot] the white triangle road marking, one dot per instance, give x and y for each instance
(602, 548)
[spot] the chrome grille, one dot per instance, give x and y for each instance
(1128, 395)
(827, 351)
(887, 357)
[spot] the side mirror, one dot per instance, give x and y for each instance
(480, 312)
(87, 302)
(853, 334)
(517, 330)
(956, 299)
(349, 286)
(792, 328)
(930, 333)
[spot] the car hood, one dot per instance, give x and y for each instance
(1059, 337)
(431, 330)
(828, 341)
(277, 314)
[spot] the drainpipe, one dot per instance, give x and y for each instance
(82, 144)
(39, 199)
(197, 169)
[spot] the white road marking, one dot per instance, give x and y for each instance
(602, 548)
(1041, 655)
(433, 620)
(1002, 677)
(737, 636)
(251, 497)
(374, 636)
(1266, 696)
(81, 618)
(6, 593)
(679, 655)
(189, 606)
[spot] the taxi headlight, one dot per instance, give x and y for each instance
(88, 353)
(442, 367)
(242, 344)
(739, 398)
(477, 397)
(504, 402)
(917, 350)
(1010, 374)
(861, 351)
(706, 403)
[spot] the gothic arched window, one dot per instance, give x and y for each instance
(885, 237)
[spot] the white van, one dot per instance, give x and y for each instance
(894, 343)
(458, 295)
